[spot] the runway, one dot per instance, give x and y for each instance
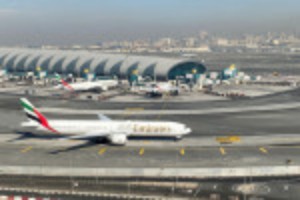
(220, 124)
(268, 121)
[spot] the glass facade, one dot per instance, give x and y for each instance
(132, 68)
(33, 63)
(85, 66)
(115, 70)
(10, 64)
(2, 57)
(70, 68)
(149, 71)
(20, 65)
(181, 70)
(45, 64)
(57, 68)
(99, 70)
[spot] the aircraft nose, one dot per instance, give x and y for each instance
(187, 130)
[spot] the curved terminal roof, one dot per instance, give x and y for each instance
(31, 62)
(8, 61)
(68, 64)
(56, 63)
(44, 61)
(20, 61)
(80, 62)
(114, 64)
(84, 63)
(98, 64)
(2, 57)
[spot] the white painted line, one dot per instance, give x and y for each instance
(256, 171)
(176, 112)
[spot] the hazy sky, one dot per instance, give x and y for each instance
(91, 21)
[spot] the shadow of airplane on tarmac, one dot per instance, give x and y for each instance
(28, 135)
(74, 148)
(51, 138)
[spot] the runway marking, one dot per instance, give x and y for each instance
(130, 111)
(263, 150)
(142, 151)
(163, 107)
(134, 109)
(182, 151)
(284, 147)
(101, 151)
(222, 151)
(228, 139)
(25, 150)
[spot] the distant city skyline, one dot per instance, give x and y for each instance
(66, 22)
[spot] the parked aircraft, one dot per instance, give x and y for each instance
(159, 89)
(99, 85)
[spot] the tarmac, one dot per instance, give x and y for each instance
(230, 137)
(88, 155)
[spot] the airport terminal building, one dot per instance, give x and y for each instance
(80, 63)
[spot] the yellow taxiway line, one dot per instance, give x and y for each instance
(182, 151)
(263, 150)
(228, 139)
(142, 151)
(222, 151)
(25, 150)
(130, 111)
(102, 151)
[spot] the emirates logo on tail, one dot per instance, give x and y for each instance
(33, 114)
(63, 82)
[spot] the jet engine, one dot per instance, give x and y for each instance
(118, 139)
(104, 88)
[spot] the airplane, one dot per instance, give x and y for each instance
(2, 73)
(102, 85)
(116, 132)
(158, 89)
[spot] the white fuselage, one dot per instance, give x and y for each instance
(90, 85)
(159, 88)
(129, 128)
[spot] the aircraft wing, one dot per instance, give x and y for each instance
(103, 117)
(88, 135)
